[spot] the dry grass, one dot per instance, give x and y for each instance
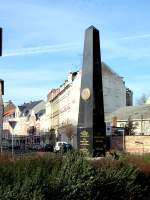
(140, 161)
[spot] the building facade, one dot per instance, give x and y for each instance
(63, 103)
(26, 123)
(139, 116)
(62, 107)
(59, 115)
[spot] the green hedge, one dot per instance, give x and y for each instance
(70, 177)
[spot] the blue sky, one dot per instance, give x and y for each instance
(43, 41)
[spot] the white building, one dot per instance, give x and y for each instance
(29, 119)
(138, 115)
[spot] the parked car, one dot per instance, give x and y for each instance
(59, 146)
(68, 147)
(15, 147)
(62, 147)
(36, 147)
(49, 147)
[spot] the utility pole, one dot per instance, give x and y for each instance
(1, 100)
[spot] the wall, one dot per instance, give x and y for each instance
(114, 90)
(132, 144)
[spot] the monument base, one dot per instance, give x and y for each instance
(90, 145)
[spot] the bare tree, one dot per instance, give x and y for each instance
(69, 131)
(142, 99)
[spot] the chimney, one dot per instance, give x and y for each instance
(69, 77)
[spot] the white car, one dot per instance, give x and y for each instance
(58, 146)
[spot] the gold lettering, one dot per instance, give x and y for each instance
(84, 134)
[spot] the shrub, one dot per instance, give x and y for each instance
(26, 177)
(69, 177)
(76, 176)
(117, 180)
(102, 179)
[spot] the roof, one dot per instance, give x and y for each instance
(9, 107)
(106, 68)
(53, 93)
(9, 112)
(27, 107)
(135, 112)
(39, 108)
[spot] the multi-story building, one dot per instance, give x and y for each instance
(63, 103)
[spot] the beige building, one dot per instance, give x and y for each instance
(63, 103)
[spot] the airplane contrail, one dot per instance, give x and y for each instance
(134, 37)
(58, 47)
(41, 49)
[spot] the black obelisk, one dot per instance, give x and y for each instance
(91, 125)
